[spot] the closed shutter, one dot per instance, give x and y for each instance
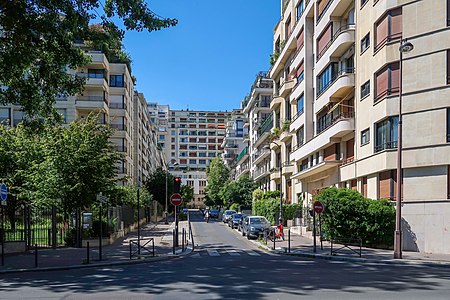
(354, 184)
(364, 186)
(329, 153)
(394, 78)
(381, 32)
(395, 23)
(324, 38)
(300, 69)
(321, 5)
(350, 148)
(448, 182)
(301, 39)
(384, 185)
(381, 81)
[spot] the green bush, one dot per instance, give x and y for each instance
(349, 215)
(270, 208)
(234, 206)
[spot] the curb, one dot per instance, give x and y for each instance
(186, 253)
(442, 264)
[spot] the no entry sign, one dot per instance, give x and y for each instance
(176, 199)
(319, 207)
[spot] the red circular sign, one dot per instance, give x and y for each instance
(319, 207)
(176, 199)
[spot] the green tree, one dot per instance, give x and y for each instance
(187, 192)
(156, 185)
(217, 176)
(37, 44)
(239, 192)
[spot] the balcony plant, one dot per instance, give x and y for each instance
(275, 133)
(286, 125)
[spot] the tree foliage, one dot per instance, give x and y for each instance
(187, 193)
(217, 176)
(269, 207)
(349, 215)
(36, 46)
(44, 164)
(156, 185)
(238, 192)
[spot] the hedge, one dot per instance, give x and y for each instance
(270, 208)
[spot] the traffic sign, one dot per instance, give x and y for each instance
(319, 207)
(3, 193)
(176, 199)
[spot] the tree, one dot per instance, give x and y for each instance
(217, 176)
(239, 192)
(37, 44)
(187, 192)
(156, 185)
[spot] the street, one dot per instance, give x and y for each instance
(227, 266)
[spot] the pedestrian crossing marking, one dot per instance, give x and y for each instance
(251, 253)
(230, 252)
(233, 253)
(213, 252)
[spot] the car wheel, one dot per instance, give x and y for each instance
(243, 233)
(248, 237)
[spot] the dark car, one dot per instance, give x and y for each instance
(234, 221)
(227, 215)
(254, 226)
(214, 214)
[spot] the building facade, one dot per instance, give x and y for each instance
(234, 148)
(338, 80)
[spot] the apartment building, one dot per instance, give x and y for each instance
(194, 139)
(233, 145)
(337, 63)
(259, 122)
(109, 91)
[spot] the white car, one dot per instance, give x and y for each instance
(227, 215)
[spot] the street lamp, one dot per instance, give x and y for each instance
(405, 47)
(138, 215)
(281, 182)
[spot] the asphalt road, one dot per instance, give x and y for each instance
(227, 266)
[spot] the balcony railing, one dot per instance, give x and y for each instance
(386, 93)
(266, 125)
(121, 148)
(387, 145)
(333, 38)
(388, 39)
(243, 152)
(91, 98)
(298, 114)
(118, 105)
(333, 79)
(330, 121)
(122, 127)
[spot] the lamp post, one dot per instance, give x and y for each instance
(165, 209)
(405, 47)
(138, 215)
(281, 184)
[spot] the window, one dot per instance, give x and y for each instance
(386, 135)
(324, 40)
(300, 73)
(365, 137)
(202, 161)
(300, 136)
(322, 6)
(363, 2)
(162, 137)
(192, 161)
(365, 89)
(300, 9)
(448, 12)
(300, 104)
(387, 81)
(365, 43)
(116, 81)
(287, 28)
(326, 77)
(448, 124)
(388, 28)
(96, 73)
(448, 66)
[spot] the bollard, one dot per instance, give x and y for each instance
(131, 255)
(153, 246)
(35, 256)
(289, 240)
(87, 252)
(173, 241)
(182, 240)
(274, 238)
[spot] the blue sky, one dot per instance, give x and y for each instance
(210, 59)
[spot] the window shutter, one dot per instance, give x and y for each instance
(350, 148)
(384, 185)
(324, 38)
(329, 153)
(301, 40)
(381, 81)
(300, 69)
(395, 77)
(321, 5)
(381, 32)
(396, 23)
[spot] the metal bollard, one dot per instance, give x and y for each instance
(182, 239)
(153, 246)
(131, 255)
(87, 253)
(274, 238)
(173, 241)
(289, 240)
(35, 256)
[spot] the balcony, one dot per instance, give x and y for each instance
(288, 168)
(298, 120)
(243, 155)
(260, 155)
(96, 81)
(286, 87)
(340, 85)
(117, 106)
(260, 174)
(121, 127)
(276, 101)
(327, 132)
(91, 102)
(121, 148)
(275, 174)
(98, 59)
(266, 125)
(342, 39)
(316, 169)
(386, 146)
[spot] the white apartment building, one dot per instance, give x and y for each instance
(338, 81)
(259, 121)
(233, 146)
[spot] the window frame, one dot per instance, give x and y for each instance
(366, 40)
(365, 87)
(365, 133)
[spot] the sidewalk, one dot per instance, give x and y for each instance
(116, 253)
(303, 246)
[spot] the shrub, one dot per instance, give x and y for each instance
(270, 208)
(349, 215)
(234, 206)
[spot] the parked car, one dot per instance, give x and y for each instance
(234, 221)
(239, 227)
(214, 213)
(227, 215)
(254, 226)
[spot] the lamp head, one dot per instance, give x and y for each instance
(406, 47)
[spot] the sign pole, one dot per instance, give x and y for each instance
(176, 226)
(101, 233)
(314, 230)
(3, 235)
(320, 229)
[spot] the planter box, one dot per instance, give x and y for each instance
(14, 247)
